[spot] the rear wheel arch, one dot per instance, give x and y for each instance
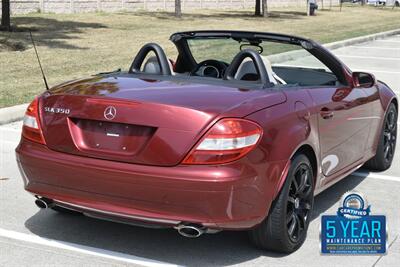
(309, 152)
(273, 233)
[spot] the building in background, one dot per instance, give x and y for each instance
(76, 6)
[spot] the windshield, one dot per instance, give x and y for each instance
(279, 54)
(225, 49)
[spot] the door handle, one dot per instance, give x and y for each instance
(326, 113)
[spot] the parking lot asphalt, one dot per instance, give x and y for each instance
(33, 237)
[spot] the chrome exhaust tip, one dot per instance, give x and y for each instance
(44, 203)
(190, 230)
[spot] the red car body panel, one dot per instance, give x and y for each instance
(229, 196)
(139, 176)
(154, 129)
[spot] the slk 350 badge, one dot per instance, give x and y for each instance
(57, 110)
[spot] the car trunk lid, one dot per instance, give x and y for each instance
(142, 122)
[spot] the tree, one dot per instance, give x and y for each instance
(258, 8)
(5, 15)
(261, 8)
(264, 8)
(178, 10)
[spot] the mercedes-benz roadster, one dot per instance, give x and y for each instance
(239, 132)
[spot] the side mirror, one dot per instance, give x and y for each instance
(363, 80)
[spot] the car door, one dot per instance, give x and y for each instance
(343, 110)
(342, 133)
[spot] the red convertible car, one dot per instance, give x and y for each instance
(239, 132)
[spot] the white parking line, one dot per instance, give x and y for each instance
(10, 129)
(376, 176)
(81, 249)
(388, 41)
(367, 57)
(375, 47)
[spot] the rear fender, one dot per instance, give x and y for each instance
(285, 131)
(285, 171)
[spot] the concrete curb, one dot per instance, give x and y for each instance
(11, 114)
(361, 39)
(296, 54)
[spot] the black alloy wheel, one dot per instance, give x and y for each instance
(389, 135)
(285, 228)
(299, 202)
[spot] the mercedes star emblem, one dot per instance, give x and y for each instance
(110, 113)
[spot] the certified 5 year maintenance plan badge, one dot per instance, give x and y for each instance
(353, 230)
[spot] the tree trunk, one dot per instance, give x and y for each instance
(5, 15)
(178, 10)
(258, 8)
(264, 8)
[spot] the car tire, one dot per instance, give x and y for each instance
(277, 233)
(386, 143)
(65, 210)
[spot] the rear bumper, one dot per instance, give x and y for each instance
(231, 196)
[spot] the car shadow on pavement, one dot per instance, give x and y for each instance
(224, 248)
(332, 195)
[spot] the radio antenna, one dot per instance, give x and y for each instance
(40, 65)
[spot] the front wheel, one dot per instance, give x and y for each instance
(386, 143)
(285, 228)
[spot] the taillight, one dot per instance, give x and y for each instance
(31, 128)
(226, 141)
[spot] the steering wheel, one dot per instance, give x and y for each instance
(231, 71)
(210, 68)
(144, 51)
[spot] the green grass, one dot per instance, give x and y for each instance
(78, 45)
